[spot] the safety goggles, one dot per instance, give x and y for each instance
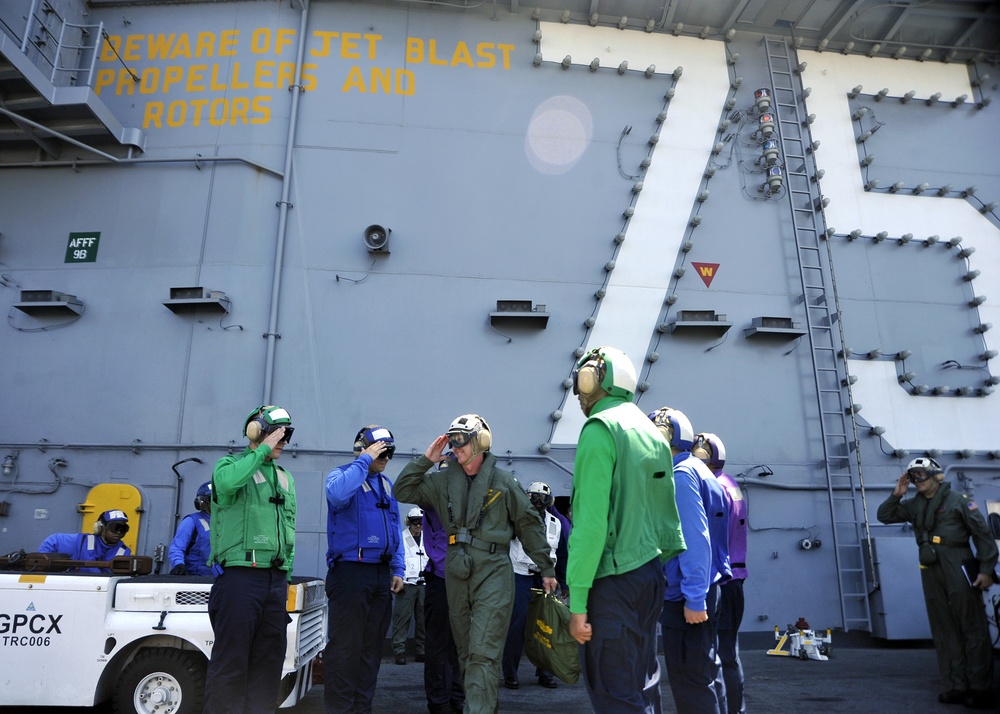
(917, 476)
(286, 438)
(458, 439)
(416, 521)
(117, 527)
(538, 499)
(390, 449)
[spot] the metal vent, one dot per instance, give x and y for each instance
(191, 597)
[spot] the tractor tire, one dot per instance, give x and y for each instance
(161, 680)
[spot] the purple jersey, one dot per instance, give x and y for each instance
(737, 526)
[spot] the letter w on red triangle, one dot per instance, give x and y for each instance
(706, 271)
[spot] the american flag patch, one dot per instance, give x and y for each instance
(972, 506)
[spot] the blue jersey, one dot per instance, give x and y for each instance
(363, 523)
(704, 514)
(192, 544)
(83, 546)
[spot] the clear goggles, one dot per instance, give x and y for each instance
(458, 439)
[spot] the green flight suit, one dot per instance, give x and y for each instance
(481, 515)
(955, 610)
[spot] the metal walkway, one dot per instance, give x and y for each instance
(47, 100)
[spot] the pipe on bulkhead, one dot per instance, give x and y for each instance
(286, 183)
(177, 488)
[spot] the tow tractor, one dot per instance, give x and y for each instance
(802, 642)
(143, 641)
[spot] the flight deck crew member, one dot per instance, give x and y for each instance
(690, 614)
(943, 522)
(482, 508)
(710, 449)
(408, 605)
(191, 547)
(103, 544)
(366, 565)
(253, 546)
(625, 524)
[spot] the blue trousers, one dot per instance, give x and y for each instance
(730, 618)
(622, 611)
(360, 608)
(247, 608)
(693, 665)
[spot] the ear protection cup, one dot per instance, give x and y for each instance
(483, 438)
(253, 428)
(588, 378)
(701, 449)
(939, 477)
(359, 438)
(98, 527)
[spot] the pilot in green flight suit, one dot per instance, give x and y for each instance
(482, 508)
(943, 522)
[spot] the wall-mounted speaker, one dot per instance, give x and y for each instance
(377, 238)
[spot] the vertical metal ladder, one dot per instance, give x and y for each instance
(837, 424)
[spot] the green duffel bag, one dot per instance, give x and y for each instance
(547, 641)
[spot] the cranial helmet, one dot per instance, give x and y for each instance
(265, 419)
(203, 497)
(675, 427)
(540, 493)
(605, 368)
(372, 433)
(928, 466)
(414, 513)
(709, 448)
(107, 518)
(470, 429)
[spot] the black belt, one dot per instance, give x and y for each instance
(478, 543)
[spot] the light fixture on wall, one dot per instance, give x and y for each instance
(774, 179)
(762, 99)
(765, 125)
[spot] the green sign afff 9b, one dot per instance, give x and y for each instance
(82, 247)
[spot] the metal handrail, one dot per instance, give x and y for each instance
(85, 32)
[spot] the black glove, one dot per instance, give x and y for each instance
(179, 570)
